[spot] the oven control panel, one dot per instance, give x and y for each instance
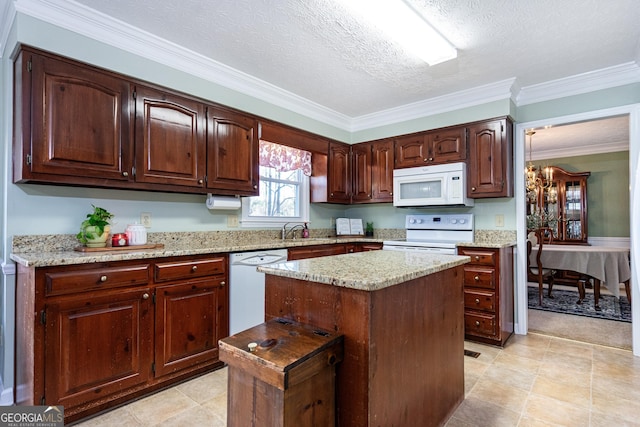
(439, 222)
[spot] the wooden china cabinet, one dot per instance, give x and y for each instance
(566, 198)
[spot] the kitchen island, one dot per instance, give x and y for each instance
(401, 314)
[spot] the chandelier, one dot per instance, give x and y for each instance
(539, 179)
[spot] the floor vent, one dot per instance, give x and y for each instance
(471, 353)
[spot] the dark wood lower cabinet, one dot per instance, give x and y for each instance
(314, 251)
(93, 336)
(488, 294)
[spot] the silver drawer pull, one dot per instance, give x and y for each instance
(103, 278)
(476, 278)
(477, 258)
(477, 323)
(222, 284)
(145, 296)
(477, 300)
(194, 268)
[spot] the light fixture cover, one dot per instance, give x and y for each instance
(406, 26)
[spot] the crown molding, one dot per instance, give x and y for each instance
(604, 78)
(584, 150)
(496, 91)
(78, 18)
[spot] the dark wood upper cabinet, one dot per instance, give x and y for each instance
(372, 171)
(382, 171)
(170, 139)
(232, 152)
(339, 173)
(411, 151)
(490, 167)
(433, 147)
(71, 122)
(448, 145)
(361, 160)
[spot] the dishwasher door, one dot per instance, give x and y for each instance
(246, 287)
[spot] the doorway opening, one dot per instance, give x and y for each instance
(522, 155)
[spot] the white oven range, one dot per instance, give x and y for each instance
(434, 233)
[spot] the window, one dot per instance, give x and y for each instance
(284, 188)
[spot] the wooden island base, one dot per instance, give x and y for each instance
(403, 345)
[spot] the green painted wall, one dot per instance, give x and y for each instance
(607, 190)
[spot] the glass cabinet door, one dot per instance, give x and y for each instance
(570, 207)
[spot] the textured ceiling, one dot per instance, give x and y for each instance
(316, 50)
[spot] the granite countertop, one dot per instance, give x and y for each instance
(52, 250)
(368, 271)
(177, 247)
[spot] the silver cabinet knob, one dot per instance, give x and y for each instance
(222, 284)
(200, 181)
(473, 188)
(103, 278)
(476, 278)
(477, 323)
(194, 268)
(125, 173)
(145, 296)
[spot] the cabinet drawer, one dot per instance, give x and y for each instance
(69, 282)
(480, 324)
(479, 256)
(166, 271)
(480, 277)
(477, 299)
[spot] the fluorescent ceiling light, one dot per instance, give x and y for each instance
(406, 26)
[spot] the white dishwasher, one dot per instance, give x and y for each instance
(246, 287)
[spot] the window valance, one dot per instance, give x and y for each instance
(283, 158)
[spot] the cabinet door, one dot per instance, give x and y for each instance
(411, 151)
(382, 171)
(74, 123)
(339, 173)
(170, 139)
(448, 145)
(361, 156)
(490, 159)
(232, 153)
(190, 319)
(97, 344)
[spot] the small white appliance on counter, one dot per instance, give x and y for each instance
(437, 185)
(434, 233)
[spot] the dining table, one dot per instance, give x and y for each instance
(606, 265)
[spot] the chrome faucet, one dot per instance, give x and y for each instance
(284, 232)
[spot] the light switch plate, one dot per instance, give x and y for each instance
(499, 220)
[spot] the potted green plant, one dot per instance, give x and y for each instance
(94, 231)
(368, 231)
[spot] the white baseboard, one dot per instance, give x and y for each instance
(618, 242)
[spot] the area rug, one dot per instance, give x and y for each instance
(565, 302)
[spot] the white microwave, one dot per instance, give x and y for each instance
(437, 185)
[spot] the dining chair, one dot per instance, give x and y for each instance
(536, 272)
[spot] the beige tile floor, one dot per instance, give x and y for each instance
(536, 380)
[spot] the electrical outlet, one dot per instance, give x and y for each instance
(332, 222)
(232, 220)
(145, 219)
(499, 220)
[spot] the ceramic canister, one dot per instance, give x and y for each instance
(137, 234)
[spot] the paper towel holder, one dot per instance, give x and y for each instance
(223, 202)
